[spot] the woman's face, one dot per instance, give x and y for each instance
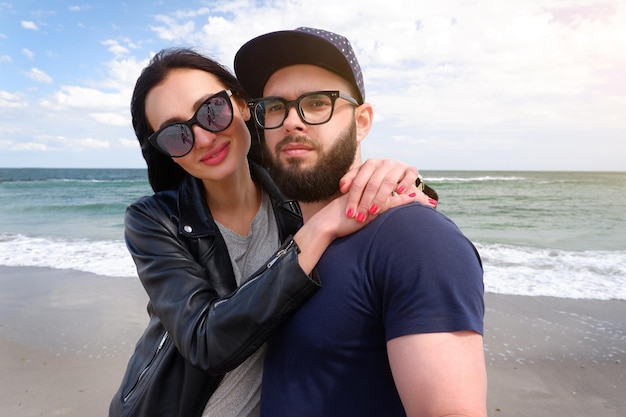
(214, 156)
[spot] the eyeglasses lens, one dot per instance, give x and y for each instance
(176, 139)
(215, 114)
(317, 108)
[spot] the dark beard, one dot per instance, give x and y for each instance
(319, 182)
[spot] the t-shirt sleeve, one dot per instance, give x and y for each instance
(427, 274)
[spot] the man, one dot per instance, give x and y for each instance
(396, 328)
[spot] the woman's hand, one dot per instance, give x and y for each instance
(380, 184)
(372, 188)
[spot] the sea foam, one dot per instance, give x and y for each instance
(508, 269)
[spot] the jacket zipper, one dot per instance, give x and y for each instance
(145, 369)
(280, 254)
(269, 264)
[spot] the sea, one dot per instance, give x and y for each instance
(560, 234)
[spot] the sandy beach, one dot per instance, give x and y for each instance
(65, 338)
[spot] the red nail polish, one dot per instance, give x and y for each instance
(350, 213)
(400, 189)
(412, 195)
(373, 209)
(360, 217)
(433, 202)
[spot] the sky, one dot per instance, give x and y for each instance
(455, 84)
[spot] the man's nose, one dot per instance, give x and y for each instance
(293, 121)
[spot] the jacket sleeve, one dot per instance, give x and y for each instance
(213, 332)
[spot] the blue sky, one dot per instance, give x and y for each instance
(455, 84)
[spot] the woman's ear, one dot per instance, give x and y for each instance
(243, 109)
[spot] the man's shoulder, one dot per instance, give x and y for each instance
(416, 214)
(415, 227)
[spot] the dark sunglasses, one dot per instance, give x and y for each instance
(215, 114)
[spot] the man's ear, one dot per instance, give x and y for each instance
(364, 116)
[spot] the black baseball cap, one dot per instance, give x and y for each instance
(259, 58)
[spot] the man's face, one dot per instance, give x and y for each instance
(308, 161)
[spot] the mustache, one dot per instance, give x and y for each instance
(301, 139)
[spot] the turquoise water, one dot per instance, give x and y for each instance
(561, 210)
(70, 203)
(539, 233)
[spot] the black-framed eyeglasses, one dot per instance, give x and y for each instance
(314, 108)
(215, 114)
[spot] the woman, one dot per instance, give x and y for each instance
(221, 254)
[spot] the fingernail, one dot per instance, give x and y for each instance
(373, 209)
(400, 189)
(433, 202)
(412, 195)
(350, 213)
(360, 217)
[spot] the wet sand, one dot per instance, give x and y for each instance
(65, 338)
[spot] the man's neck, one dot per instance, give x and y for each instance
(309, 209)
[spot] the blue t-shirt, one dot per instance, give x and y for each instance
(410, 271)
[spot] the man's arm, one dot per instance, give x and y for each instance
(440, 374)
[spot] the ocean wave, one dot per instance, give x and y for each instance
(102, 257)
(533, 271)
(471, 179)
(70, 175)
(509, 269)
(130, 181)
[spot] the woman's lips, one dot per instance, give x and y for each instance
(216, 155)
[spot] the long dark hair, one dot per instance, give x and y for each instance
(163, 173)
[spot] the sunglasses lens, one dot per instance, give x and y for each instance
(216, 114)
(176, 140)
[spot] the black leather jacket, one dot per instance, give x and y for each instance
(201, 325)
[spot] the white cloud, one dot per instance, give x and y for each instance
(122, 74)
(91, 143)
(59, 142)
(128, 143)
(114, 119)
(27, 24)
(172, 30)
(29, 146)
(9, 100)
(39, 76)
(88, 98)
(28, 53)
(115, 48)
(79, 8)
(5, 58)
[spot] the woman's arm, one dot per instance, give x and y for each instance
(214, 331)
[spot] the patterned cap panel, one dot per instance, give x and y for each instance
(344, 46)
